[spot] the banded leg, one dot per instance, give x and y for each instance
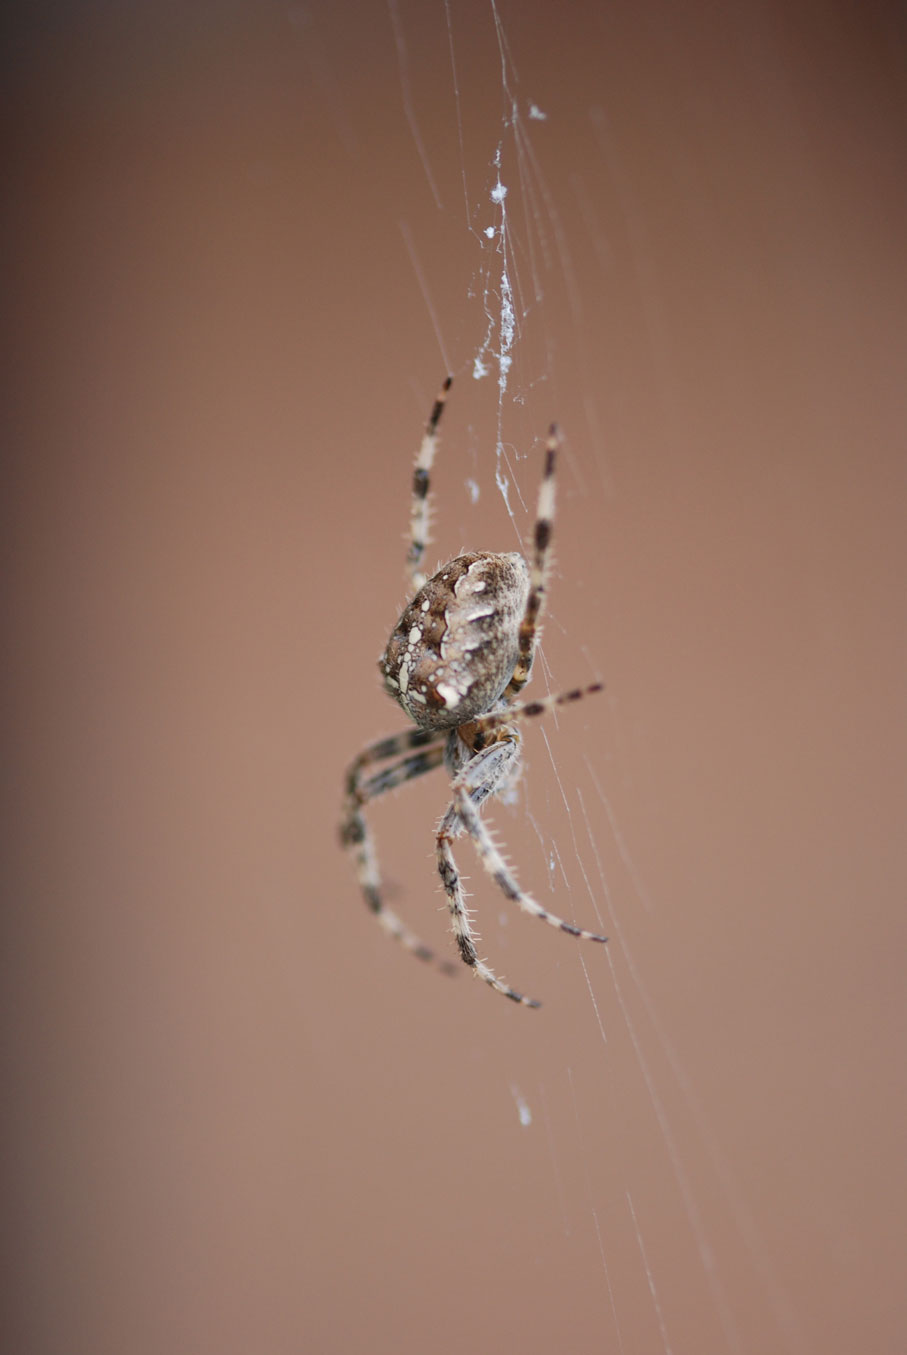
(466, 937)
(475, 782)
(398, 773)
(538, 572)
(355, 833)
(496, 866)
(481, 776)
(383, 749)
(418, 520)
(507, 715)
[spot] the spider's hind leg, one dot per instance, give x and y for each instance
(419, 512)
(539, 569)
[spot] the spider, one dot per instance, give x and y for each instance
(456, 660)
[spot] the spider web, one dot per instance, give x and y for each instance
(559, 253)
(527, 295)
(247, 244)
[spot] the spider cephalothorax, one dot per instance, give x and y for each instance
(459, 655)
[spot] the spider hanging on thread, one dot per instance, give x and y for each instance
(456, 661)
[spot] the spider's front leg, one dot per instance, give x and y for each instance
(356, 836)
(478, 777)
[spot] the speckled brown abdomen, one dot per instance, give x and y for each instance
(454, 649)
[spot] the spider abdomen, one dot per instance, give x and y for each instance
(455, 647)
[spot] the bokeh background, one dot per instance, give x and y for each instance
(243, 244)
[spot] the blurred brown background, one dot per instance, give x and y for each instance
(238, 1118)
